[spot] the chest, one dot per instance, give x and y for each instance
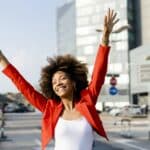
(71, 115)
(69, 128)
(73, 134)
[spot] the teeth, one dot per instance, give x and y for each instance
(61, 88)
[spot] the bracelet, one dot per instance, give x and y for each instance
(106, 42)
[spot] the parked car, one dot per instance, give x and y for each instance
(107, 108)
(132, 110)
(128, 110)
(115, 111)
(11, 107)
(14, 107)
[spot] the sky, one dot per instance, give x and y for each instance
(27, 37)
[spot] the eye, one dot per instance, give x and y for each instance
(53, 82)
(63, 78)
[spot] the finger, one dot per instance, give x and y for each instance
(108, 14)
(115, 22)
(111, 14)
(114, 16)
(105, 21)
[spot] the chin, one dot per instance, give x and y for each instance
(64, 96)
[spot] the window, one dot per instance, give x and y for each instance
(123, 79)
(82, 21)
(86, 40)
(115, 68)
(88, 50)
(82, 58)
(80, 3)
(98, 8)
(84, 11)
(109, 5)
(121, 46)
(85, 30)
(96, 19)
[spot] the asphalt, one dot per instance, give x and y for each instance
(23, 133)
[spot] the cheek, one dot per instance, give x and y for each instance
(53, 88)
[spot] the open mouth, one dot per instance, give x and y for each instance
(60, 88)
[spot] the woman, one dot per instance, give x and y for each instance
(68, 102)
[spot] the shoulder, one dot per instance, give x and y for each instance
(85, 96)
(53, 103)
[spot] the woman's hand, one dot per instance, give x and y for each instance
(3, 60)
(1, 56)
(109, 22)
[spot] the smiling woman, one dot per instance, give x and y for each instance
(71, 69)
(62, 85)
(67, 100)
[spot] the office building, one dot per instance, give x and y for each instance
(77, 22)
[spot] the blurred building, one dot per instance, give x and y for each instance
(140, 56)
(145, 22)
(66, 33)
(77, 21)
(140, 75)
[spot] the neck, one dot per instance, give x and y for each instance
(68, 104)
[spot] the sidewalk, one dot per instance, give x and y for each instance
(135, 137)
(30, 140)
(23, 133)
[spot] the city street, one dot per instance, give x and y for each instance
(135, 137)
(84, 54)
(23, 133)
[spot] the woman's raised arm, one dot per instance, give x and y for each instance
(34, 97)
(100, 66)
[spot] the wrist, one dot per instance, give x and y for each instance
(105, 37)
(105, 41)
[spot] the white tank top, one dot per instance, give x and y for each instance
(73, 135)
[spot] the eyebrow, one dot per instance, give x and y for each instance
(62, 75)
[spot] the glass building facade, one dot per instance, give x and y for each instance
(66, 33)
(89, 16)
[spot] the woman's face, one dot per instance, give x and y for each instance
(62, 85)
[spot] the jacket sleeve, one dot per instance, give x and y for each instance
(99, 72)
(34, 97)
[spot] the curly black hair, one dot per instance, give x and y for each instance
(75, 69)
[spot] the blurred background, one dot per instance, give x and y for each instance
(32, 30)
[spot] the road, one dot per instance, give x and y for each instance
(23, 133)
(135, 137)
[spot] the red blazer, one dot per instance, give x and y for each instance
(51, 109)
